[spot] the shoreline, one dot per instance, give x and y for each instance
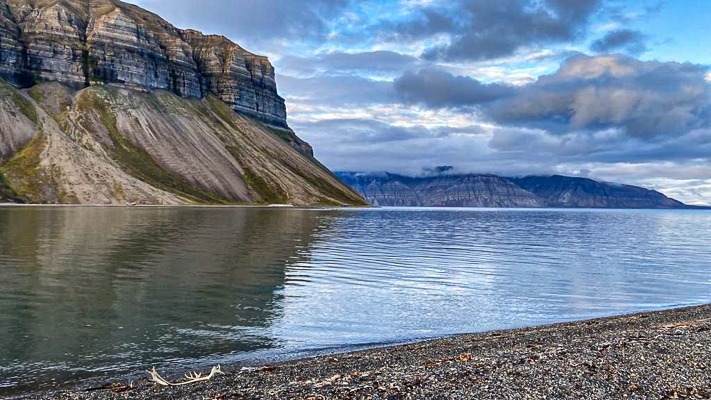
(660, 354)
(331, 207)
(209, 206)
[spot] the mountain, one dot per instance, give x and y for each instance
(563, 191)
(103, 102)
(386, 189)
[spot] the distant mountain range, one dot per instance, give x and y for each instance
(471, 190)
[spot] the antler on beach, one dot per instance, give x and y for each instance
(192, 377)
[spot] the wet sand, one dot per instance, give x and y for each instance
(658, 355)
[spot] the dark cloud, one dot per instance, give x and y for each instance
(437, 89)
(438, 170)
(427, 22)
(486, 29)
(645, 99)
(251, 21)
(625, 40)
(607, 147)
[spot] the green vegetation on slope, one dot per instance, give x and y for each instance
(7, 193)
(36, 94)
(27, 178)
(24, 172)
(136, 161)
(285, 135)
(222, 110)
(272, 193)
(24, 105)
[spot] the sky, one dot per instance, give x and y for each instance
(617, 91)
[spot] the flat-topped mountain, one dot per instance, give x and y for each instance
(82, 42)
(471, 190)
(104, 102)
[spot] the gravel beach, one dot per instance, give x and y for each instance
(658, 355)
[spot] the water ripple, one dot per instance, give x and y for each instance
(85, 292)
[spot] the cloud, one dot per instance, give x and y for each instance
(646, 99)
(436, 89)
(438, 170)
(253, 21)
(607, 146)
(335, 90)
(623, 14)
(625, 40)
(642, 98)
(340, 63)
(481, 30)
(349, 131)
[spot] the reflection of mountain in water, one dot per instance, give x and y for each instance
(91, 288)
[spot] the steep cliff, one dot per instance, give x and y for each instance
(386, 189)
(88, 42)
(116, 145)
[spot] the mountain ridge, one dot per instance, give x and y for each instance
(486, 190)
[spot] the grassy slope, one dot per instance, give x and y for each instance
(136, 161)
(7, 193)
(331, 190)
(25, 178)
(20, 175)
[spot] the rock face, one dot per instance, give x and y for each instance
(567, 192)
(385, 189)
(442, 191)
(88, 42)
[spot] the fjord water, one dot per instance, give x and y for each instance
(92, 291)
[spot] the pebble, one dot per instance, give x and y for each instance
(659, 355)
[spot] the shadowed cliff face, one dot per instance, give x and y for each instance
(109, 144)
(493, 191)
(85, 42)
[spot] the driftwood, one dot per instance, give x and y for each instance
(192, 377)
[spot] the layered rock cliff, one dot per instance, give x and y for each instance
(569, 192)
(384, 189)
(387, 189)
(88, 42)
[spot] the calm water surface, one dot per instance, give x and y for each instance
(86, 292)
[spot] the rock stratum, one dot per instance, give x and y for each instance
(102, 102)
(85, 42)
(392, 190)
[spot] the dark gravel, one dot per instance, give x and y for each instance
(660, 355)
